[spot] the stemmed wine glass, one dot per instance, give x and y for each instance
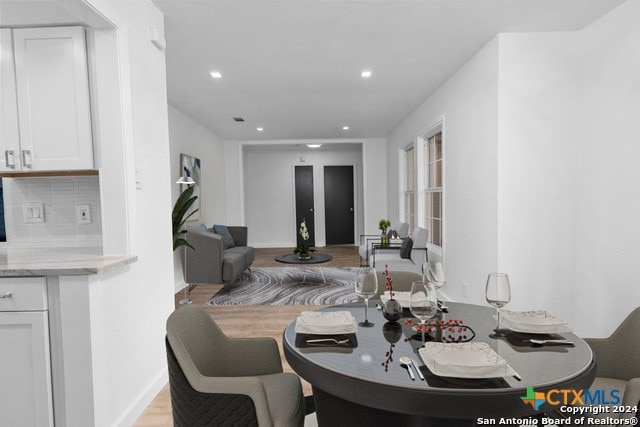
(434, 272)
(366, 287)
(498, 294)
(423, 302)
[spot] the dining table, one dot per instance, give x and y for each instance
(362, 382)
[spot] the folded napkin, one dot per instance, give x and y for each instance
(403, 298)
(326, 323)
(466, 360)
(533, 322)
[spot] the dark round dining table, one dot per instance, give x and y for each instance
(366, 385)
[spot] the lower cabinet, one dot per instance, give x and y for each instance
(25, 366)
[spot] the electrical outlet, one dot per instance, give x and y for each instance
(83, 214)
(464, 289)
(33, 212)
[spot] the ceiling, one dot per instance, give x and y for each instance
(293, 67)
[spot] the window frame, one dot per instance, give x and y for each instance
(409, 172)
(428, 164)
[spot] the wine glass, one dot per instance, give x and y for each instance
(366, 287)
(434, 272)
(423, 302)
(498, 294)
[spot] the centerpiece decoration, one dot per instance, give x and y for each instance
(449, 330)
(383, 225)
(391, 309)
(303, 250)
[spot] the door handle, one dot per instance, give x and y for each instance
(10, 164)
(26, 153)
(311, 210)
(351, 209)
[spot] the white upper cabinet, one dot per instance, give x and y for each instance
(51, 93)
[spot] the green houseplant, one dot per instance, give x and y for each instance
(179, 217)
(383, 225)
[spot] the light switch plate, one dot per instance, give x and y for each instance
(83, 214)
(33, 212)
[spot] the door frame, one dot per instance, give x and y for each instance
(318, 200)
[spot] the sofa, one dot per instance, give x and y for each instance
(392, 258)
(211, 262)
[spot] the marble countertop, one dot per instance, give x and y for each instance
(59, 261)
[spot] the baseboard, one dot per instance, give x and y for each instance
(280, 245)
(137, 408)
(179, 286)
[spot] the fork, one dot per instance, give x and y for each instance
(327, 340)
(545, 342)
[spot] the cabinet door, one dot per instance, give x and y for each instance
(53, 98)
(25, 369)
(9, 137)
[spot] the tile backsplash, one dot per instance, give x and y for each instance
(60, 196)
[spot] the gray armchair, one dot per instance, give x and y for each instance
(618, 359)
(216, 380)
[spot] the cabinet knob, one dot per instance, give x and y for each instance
(7, 295)
(9, 163)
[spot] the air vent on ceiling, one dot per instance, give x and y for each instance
(238, 119)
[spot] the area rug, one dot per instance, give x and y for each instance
(290, 286)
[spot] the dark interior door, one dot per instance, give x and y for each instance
(304, 202)
(338, 204)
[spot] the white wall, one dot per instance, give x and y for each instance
(538, 95)
(468, 101)
(270, 192)
(132, 305)
(607, 271)
(374, 185)
(541, 177)
(188, 137)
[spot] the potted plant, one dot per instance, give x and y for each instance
(179, 217)
(303, 250)
(383, 225)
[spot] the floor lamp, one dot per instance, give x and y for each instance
(185, 180)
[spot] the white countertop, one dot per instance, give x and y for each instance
(59, 261)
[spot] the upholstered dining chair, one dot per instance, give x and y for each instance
(618, 359)
(402, 281)
(218, 381)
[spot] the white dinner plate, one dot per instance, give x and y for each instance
(465, 360)
(533, 322)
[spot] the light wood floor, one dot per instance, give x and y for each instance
(247, 321)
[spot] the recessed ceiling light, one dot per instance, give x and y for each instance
(345, 127)
(314, 145)
(259, 129)
(216, 74)
(366, 73)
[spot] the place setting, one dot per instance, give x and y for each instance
(532, 328)
(322, 329)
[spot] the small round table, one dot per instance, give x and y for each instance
(315, 258)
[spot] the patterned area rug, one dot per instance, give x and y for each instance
(290, 286)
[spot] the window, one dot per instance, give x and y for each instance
(433, 189)
(409, 188)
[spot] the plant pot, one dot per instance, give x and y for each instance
(304, 256)
(392, 310)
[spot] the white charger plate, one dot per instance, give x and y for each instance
(326, 323)
(403, 298)
(533, 322)
(465, 360)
